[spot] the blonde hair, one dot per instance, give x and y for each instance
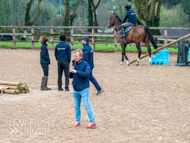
(43, 40)
(80, 52)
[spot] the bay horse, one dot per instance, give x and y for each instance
(136, 35)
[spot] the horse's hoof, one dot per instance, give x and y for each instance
(121, 63)
(128, 64)
(137, 64)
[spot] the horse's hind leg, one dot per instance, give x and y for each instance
(139, 53)
(127, 60)
(149, 51)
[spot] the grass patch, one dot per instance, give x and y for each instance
(107, 47)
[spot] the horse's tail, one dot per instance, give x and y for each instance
(151, 37)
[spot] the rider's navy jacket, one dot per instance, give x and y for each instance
(88, 55)
(44, 55)
(63, 52)
(81, 78)
(131, 16)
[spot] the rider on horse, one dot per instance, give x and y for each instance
(132, 20)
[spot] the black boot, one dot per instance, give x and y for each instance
(122, 32)
(44, 83)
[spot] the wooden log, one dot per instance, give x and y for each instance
(24, 85)
(184, 37)
(27, 90)
(18, 91)
(10, 86)
(10, 83)
(10, 91)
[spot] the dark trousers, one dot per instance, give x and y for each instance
(63, 66)
(45, 68)
(94, 81)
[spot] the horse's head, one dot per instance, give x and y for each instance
(111, 22)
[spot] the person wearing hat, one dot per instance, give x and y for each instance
(131, 16)
(88, 57)
(44, 61)
(63, 57)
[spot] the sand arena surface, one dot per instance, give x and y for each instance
(139, 103)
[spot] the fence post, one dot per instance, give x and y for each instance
(72, 38)
(14, 38)
(115, 40)
(51, 32)
(32, 33)
(165, 37)
(93, 38)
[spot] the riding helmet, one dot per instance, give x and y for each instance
(128, 6)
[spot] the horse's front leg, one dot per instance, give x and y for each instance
(124, 55)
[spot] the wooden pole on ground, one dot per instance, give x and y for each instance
(10, 83)
(184, 37)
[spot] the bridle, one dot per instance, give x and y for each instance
(117, 28)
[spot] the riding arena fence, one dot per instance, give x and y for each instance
(98, 35)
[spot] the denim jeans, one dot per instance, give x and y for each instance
(84, 94)
(94, 81)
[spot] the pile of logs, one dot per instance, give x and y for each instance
(14, 87)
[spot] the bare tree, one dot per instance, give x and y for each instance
(68, 15)
(28, 21)
(94, 7)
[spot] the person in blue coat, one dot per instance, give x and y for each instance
(45, 61)
(88, 57)
(63, 57)
(131, 16)
(80, 72)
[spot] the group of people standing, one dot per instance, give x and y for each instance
(80, 71)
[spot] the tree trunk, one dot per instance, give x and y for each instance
(90, 15)
(94, 10)
(66, 21)
(28, 21)
(27, 15)
(73, 16)
(158, 9)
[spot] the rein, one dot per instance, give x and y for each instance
(117, 27)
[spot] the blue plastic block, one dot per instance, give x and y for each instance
(189, 54)
(161, 58)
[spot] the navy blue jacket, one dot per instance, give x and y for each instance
(131, 16)
(44, 55)
(81, 78)
(63, 52)
(88, 55)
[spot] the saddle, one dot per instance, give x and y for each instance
(126, 31)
